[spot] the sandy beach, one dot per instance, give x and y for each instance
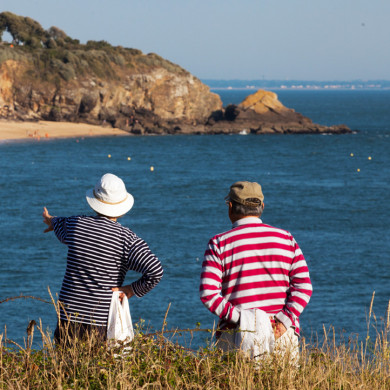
(37, 131)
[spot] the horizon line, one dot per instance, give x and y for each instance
(300, 80)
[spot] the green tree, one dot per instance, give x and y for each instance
(23, 29)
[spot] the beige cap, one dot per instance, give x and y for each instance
(243, 190)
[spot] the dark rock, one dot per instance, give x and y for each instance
(262, 113)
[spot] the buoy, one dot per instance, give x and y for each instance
(358, 169)
(351, 154)
(152, 168)
(109, 156)
(369, 157)
(129, 158)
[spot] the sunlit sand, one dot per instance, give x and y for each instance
(37, 131)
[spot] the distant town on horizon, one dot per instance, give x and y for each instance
(297, 84)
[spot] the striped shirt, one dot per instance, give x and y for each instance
(254, 265)
(100, 252)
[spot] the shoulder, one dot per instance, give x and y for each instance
(126, 234)
(100, 223)
(276, 230)
(221, 238)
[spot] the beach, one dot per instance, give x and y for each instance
(11, 130)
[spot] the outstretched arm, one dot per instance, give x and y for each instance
(47, 219)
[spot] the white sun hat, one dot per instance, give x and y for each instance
(110, 197)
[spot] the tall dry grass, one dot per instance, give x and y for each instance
(156, 361)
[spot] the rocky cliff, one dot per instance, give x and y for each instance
(48, 75)
(154, 101)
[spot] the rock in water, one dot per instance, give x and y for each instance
(263, 102)
(262, 113)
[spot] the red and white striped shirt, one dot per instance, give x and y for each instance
(254, 265)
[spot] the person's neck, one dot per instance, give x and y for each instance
(110, 218)
(234, 218)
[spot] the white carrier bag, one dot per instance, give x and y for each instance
(119, 325)
(256, 336)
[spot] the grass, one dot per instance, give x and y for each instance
(157, 361)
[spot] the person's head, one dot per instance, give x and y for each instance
(245, 199)
(109, 197)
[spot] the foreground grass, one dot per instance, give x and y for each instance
(156, 362)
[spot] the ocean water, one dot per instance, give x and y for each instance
(330, 191)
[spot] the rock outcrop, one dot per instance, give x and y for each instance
(50, 76)
(263, 113)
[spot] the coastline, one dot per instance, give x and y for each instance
(44, 130)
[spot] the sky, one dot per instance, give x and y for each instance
(241, 39)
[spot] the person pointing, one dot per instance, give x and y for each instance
(100, 252)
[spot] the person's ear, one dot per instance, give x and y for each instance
(230, 208)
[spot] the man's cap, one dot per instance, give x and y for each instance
(242, 191)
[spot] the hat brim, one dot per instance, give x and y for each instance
(109, 210)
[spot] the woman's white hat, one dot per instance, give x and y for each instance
(109, 197)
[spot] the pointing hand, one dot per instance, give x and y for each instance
(47, 220)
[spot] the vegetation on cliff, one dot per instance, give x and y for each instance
(54, 56)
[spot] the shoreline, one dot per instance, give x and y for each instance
(46, 130)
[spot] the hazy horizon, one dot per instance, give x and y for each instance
(301, 80)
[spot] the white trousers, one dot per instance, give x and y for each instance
(285, 346)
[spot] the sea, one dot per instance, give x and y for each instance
(330, 191)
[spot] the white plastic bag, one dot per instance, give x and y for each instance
(256, 336)
(119, 325)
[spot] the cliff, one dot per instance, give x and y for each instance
(50, 76)
(153, 101)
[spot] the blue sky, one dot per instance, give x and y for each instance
(247, 39)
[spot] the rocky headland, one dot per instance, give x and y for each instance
(46, 75)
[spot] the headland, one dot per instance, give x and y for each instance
(45, 75)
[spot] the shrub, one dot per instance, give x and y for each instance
(52, 54)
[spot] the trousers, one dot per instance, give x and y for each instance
(286, 346)
(67, 332)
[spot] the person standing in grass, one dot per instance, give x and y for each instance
(254, 266)
(100, 252)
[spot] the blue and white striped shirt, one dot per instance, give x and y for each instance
(100, 252)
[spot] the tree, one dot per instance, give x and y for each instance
(23, 29)
(56, 33)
